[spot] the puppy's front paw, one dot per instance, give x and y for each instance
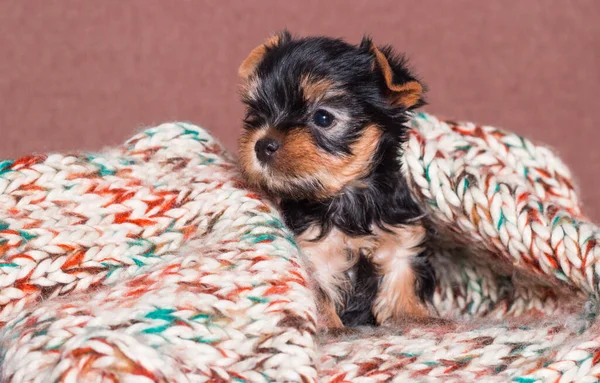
(390, 308)
(328, 317)
(338, 332)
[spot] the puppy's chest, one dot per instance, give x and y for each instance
(338, 252)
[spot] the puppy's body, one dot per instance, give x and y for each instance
(323, 133)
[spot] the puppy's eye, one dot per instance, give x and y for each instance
(323, 118)
(252, 119)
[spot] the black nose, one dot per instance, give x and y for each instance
(265, 148)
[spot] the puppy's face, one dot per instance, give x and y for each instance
(317, 111)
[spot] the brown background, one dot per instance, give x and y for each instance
(85, 74)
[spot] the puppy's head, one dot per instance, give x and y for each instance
(319, 111)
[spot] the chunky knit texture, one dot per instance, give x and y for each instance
(152, 263)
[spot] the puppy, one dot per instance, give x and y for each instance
(324, 125)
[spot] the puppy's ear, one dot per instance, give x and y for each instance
(255, 57)
(403, 89)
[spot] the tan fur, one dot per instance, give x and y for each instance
(300, 158)
(255, 57)
(407, 94)
(330, 258)
(396, 297)
(315, 90)
(328, 317)
(299, 154)
(341, 171)
(391, 253)
(246, 157)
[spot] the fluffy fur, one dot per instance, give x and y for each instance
(340, 187)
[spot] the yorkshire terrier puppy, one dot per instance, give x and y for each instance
(323, 131)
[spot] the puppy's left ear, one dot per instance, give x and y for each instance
(403, 89)
(255, 57)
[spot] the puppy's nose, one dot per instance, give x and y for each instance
(265, 148)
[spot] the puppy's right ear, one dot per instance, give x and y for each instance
(256, 56)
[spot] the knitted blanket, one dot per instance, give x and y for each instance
(152, 263)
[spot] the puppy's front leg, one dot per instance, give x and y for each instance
(397, 298)
(329, 258)
(327, 314)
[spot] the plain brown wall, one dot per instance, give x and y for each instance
(84, 74)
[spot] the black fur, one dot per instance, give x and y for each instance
(359, 300)
(382, 198)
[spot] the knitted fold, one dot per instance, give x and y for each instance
(152, 263)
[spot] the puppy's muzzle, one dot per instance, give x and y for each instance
(265, 148)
